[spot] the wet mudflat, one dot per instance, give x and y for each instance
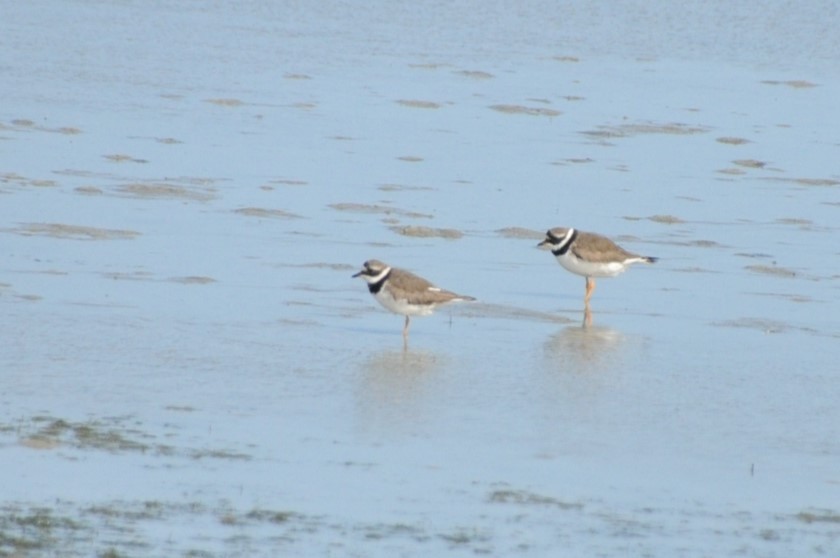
(189, 370)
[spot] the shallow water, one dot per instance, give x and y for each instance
(189, 369)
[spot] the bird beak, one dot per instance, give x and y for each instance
(357, 274)
(545, 242)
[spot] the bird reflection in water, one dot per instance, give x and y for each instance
(587, 316)
(395, 387)
(585, 345)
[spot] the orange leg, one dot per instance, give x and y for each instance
(590, 288)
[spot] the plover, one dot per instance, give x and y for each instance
(403, 292)
(590, 255)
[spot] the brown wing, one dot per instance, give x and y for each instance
(599, 249)
(417, 290)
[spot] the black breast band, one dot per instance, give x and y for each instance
(376, 287)
(565, 248)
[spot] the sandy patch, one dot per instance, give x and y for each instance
(266, 213)
(521, 232)
(771, 270)
(29, 124)
(192, 280)
(508, 312)
(77, 232)
(112, 435)
(129, 276)
(403, 188)
(89, 190)
(794, 221)
(427, 232)
(123, 158)
(521, 109)
(15, 179)
(750, 163)
(573, 161)
(225, 102)
(39, 443)
(429, 66)
(525, 498)
(794, 83)
(322, 265)
(380, 209)
(273, 184)
(732, 140)
(809, 181)
(705, 244)
(732, 171)
(414, 103)
(665, 219)
(761, 324)
(163, 190)
(475, 74)
(640, 128)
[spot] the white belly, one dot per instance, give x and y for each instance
(401, 307)
(589, 269)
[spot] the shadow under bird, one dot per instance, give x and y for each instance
(403, 292)
(590, 255)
